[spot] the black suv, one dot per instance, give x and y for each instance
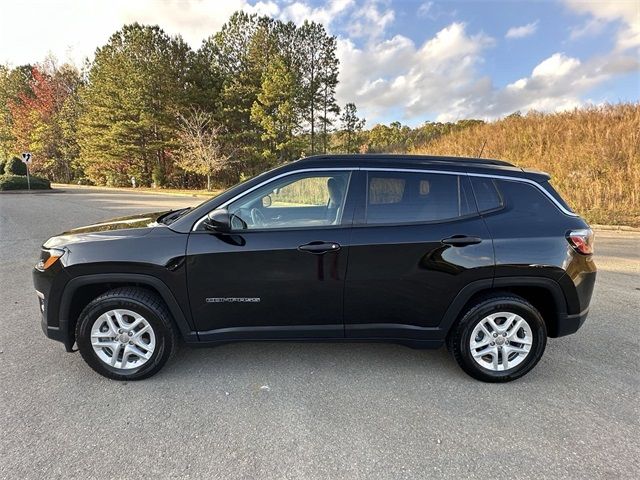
(476, 254)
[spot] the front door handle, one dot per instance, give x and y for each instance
(461, 240)
(319, 247)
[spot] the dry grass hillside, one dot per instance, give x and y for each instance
(593, 155)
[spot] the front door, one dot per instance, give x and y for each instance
(281, 272)
(418, 242)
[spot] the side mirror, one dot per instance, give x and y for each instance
(266, 201)
(218, 221)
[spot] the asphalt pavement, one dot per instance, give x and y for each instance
(307, 411)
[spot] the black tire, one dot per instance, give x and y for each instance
(138, 300)
(458, 341)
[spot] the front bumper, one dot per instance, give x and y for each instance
(49, 285)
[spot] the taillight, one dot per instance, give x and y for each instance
(581, 240)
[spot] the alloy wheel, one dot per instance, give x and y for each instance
(501, 341)
(123, 339)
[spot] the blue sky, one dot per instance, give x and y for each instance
(407, 60)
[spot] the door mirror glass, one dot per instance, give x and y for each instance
(218, 221)
(266, 201)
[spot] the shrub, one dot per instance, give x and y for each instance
(84, 181)
(15, 166)
(3, 163)
(19, 182)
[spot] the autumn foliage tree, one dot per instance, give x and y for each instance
(38, 115)
(201, 149)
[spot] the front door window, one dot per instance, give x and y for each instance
(305, 200)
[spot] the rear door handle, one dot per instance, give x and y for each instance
(319, 247)
(461, 240)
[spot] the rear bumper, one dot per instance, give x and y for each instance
(570, 323)
(578, 287)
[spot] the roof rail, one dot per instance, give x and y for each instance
(410, 157)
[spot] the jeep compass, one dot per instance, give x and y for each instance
(478, 255)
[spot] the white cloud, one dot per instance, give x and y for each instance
(440, 79)
(557, 65)
(625, 11)
(592, 26)
(371, 20)
(420, 80)
(424, 9)
(522, 31)
(72, 29)
(300, 11)
(557, 83)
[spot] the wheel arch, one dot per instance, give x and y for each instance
(79, 291)
(543, 293)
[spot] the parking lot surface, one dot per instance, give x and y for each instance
(291, 410)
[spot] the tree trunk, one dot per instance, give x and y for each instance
(208, 182)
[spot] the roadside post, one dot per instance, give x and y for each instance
(26, 158)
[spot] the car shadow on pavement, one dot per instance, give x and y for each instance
(262, 359)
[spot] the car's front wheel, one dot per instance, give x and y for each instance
(126, 334)
(499, 339)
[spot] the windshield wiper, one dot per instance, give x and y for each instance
(173, 215)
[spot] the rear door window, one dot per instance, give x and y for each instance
(407, 197)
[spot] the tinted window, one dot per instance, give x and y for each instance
(303, 200)
(527, 200)
(549, 188)
(487, 194)
(402, 197)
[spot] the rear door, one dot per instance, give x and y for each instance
(281, 272)
(417, 241)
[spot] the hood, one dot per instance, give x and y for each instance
(132, 226)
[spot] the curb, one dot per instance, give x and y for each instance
(30, 192)
(619, 228)
(131, 190)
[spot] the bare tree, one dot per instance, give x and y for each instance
(201, 149)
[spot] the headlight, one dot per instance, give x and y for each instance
(54, 255)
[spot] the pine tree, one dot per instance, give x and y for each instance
(351, 126)
(275, 111)
(329, 69)
(311, 40)
(136, 85)
(238, 56)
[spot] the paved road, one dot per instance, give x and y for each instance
(310, 411)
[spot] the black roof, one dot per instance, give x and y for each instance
(409, 158)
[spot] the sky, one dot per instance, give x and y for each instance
(400, 60)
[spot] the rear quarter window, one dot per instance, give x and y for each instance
(526, 200)
(549, 188)
(488, 196)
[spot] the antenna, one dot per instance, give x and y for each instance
(482, 149)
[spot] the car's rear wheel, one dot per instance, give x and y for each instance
(499, 339)
(126, 334)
